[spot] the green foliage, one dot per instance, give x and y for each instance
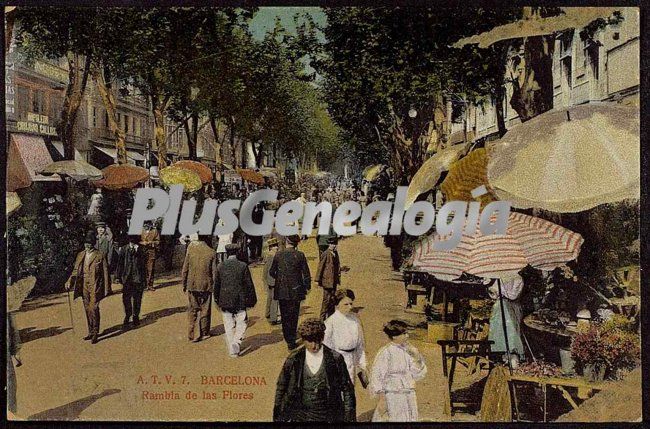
(44, 236)
(376, 61)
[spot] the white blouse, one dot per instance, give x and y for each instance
(344, 332)
(394, 370)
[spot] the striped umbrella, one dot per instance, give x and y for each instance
(465, 175)
(528, 241)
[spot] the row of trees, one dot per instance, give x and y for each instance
(380, 63)
(197, 66)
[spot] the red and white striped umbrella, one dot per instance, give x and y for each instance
(528, 241)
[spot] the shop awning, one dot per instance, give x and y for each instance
(135, 156)
(59, 149)
(27, 155)
(112, 152)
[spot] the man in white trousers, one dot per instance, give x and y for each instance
(234, 292)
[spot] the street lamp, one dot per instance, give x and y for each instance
(412, 113)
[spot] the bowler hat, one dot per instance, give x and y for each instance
(90, 238)
(293, 239)
(332, 239)
(232, 247)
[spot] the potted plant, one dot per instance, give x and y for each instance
(588, 352)
(605, 350)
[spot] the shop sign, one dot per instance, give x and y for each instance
(37, 124)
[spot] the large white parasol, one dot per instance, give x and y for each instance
(569, 160)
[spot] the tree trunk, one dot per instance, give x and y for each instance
(232, 141)
(218, 150)
(72, 101)
(158, 106)
(10, 18)
(108, 99)
(533, 90)
(191, 143)
(195, 135)
(500, 96)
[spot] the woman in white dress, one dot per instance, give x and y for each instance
(397, 367)
(224, 239)
(344, 334)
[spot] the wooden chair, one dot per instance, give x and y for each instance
(452, 352)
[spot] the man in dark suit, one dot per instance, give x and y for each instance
(198, 277)
(131, 272)
(89, 280)
(314, 385)
(234, 292)
(257, 241)
(328, 277)
(292, 282)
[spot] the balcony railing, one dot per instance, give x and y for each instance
(107, 134)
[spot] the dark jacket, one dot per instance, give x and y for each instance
(233, 286)
(291, 273)
(340, 390)
(130, 267)
(328, 275)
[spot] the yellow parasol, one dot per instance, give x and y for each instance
(465, 175)
(181, 176)
(569, 160)
(429, 174)
(372, 172)
(13, 203)
(204, 172)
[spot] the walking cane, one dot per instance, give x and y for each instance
(67, 293)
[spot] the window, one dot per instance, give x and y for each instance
(105, 119)
(133, 128)
(38, 102)
(126, 124)
(22, 102)
(94, 117)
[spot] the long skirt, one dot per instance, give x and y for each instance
(400, 406)
(513, 315)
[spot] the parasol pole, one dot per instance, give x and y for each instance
(503, 322)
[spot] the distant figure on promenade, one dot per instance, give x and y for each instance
(234, 293)
(105, 245)
(131, 272)
(397, 367)
(198, 277)
(224, 240)
(272, 311)
(328, 276)
(292, 282)
(314, 385)
(256, 241)
(343, 334)
(89, 280)
(151, 241)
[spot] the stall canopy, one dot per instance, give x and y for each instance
(27, 154)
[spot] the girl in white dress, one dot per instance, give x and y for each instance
(344, 334)
(397, 367)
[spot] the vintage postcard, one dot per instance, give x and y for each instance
(323, 214)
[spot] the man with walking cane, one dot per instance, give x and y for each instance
(89, 280)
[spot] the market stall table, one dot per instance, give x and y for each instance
(572, 389)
